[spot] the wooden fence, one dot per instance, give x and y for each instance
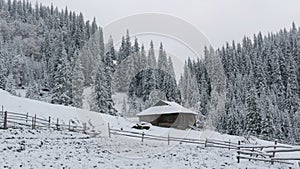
(249, 152)
(257, 153)
(168, 139)
(18, 120)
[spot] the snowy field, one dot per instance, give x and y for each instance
(26, 148)
(52, 149)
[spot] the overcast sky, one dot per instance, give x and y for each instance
(219, 20)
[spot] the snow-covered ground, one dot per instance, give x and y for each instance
(25, 148)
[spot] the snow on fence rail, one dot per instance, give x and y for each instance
(15, 120)
(207, 142)
(256, 153)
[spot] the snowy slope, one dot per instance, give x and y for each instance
(64, 113)
(52, 149)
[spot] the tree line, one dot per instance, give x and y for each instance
(247, 88)
(54, 54)
(256, 89)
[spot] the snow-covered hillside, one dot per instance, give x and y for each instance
(26, 148)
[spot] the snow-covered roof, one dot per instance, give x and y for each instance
(165, 107)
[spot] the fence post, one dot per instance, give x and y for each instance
(35, 121)
(69, 125)
(32, 123)
(5, 120)
(26, 117)
(251, 154)
(84, 127)
(168, 139)
(229, 145)
(238, 151)
(143, 136)
(108, 130)
(274, 149)
(57, 124)
(205, 142)
(49, 120)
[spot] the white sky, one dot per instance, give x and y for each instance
(219, 20)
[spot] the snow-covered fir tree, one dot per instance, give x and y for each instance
(33, 91)
(253, 117)
(77, 84)
(102, 101)
(60, 78)
(151, 57)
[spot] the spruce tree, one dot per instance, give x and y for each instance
(151, 60)
(100, 102)
(2, 76)
(143, 62)
(253, 118)
(33, 91)
(162, 63)
(77, 84)
(170, 69)
(102, 99)
(59, 90)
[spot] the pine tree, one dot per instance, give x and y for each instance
(77, 84)
(189, 88)
(121, 53)
(135, 48)
(253, 118)
(296, 125)
(33, 91)
(59, 90)
(151, 57)
(2, 76)
(102, 100)
(101, 43)
(90, 55)
(128, 49)
(100, 96)
(108, 70)
(143, 62)
(267, 125)
(94, 26)
(162, 63)
(170, 69)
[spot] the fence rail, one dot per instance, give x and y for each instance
(143, 136)
(284, 150)
(265, 160)
(256, 153)
(17, 120)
